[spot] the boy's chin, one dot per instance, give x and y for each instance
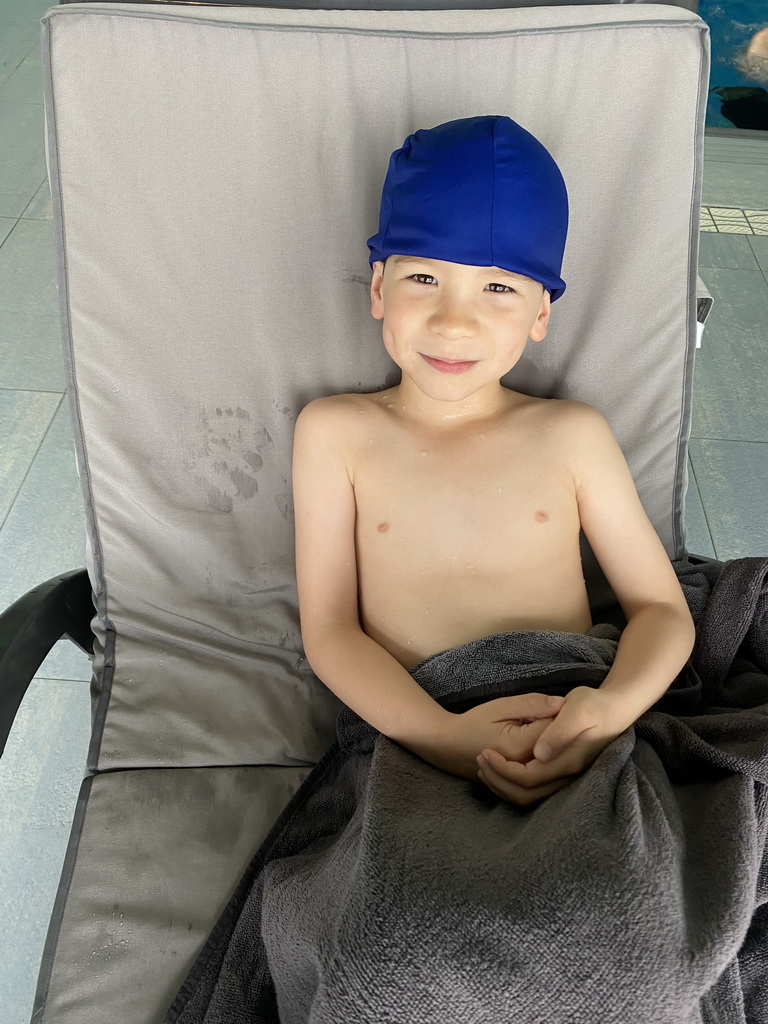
(448, 387)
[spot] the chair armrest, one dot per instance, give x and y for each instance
(703, 560)
(63, 606)
(704, 301)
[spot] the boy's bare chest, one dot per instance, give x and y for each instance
(480, 534)
(488, 503)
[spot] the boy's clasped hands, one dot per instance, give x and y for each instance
(533, 745)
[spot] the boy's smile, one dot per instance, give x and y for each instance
(454, 330)
(448, 366)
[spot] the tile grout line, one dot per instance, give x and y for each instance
(17, 220)
(15, 225)
(762, 270)
(703, 508)
(53, 679)
(730, 440)
(32, 460)
(32, 391)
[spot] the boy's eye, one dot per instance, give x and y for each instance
(492, 285)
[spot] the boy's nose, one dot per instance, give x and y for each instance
(454, 323)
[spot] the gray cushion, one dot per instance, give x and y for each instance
(154, 857)
(212, 206)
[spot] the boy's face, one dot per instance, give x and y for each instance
(455, 312)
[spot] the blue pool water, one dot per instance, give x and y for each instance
(732, 24)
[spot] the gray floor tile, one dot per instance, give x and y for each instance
(28, 269)
(27, 11)
(759, 246)
(732, 252)
(6, 226)
(25, 85)
(735, 173)
(19, 35)
(24, 418)
(698, 540)
(732, 477)
(731, 371)
(31, 357)
(44, 534)
(40, 776)
(22, 156)
(40, 208)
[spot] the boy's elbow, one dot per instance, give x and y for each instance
(684, 612)
(680, 613)
(316, 641)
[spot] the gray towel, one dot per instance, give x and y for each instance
(390, 891)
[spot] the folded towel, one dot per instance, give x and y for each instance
(390, 891)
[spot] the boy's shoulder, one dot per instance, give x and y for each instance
(329, 402)
(356, 398)
(571, 414)
(328, 407)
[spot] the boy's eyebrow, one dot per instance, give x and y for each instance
(407, 260)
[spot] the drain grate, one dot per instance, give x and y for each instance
(728, 220)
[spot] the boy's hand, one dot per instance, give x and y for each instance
(509, 725)
(587, 722)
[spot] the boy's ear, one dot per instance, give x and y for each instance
(538, 331)
(377, 308)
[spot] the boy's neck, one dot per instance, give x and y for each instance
(442, 416)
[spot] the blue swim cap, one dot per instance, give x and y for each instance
(480, 191)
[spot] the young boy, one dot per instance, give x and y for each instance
(449, 507)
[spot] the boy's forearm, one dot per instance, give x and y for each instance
(655, 645)
(369, 680)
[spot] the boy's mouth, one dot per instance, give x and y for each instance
(448, 365)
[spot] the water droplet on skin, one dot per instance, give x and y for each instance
(469, 566)
(392, 406)
(424, 453)
(498, 489)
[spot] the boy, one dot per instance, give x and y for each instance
(448, 508)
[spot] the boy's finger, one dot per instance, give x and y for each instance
(528, 775)
(542, 752)
(497, 763)
(559, 735)
(512, 790)
(542, 706)
(549, 745)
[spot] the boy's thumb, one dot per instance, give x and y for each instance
(542, 751)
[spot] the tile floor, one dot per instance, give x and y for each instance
(41, 517)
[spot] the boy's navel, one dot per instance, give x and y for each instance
(383, 527)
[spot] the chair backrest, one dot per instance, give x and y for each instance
(215, 173)
(423, 5)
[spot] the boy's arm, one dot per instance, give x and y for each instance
(660, 633)
(368, 679)
(365, 676)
